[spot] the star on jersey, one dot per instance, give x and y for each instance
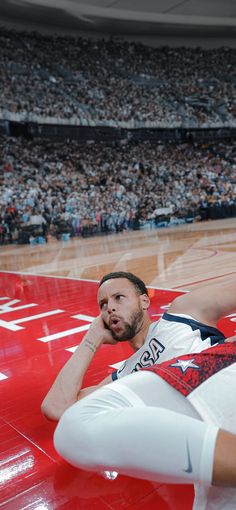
(185, 364)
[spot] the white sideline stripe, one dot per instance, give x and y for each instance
(3, 376)
(75, 279)
(62, 334)
(38, 316)
(83, 317)
(13, 325)
(21, 307)
(165, 288)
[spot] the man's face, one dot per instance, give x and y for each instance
(121, 308)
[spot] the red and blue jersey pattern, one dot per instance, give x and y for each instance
(187, 372)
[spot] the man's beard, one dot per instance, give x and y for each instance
(130, 328)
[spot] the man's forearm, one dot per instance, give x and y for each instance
(65, 389)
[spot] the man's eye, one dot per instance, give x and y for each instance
(119, 296)
(103, 306)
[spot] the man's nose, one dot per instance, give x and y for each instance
(111, 306)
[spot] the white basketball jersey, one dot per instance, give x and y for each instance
(171, 336)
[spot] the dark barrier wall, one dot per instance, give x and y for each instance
(110, 134)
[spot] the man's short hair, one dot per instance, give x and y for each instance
(135, 280)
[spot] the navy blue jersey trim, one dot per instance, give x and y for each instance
(216, 336)
(114, 376)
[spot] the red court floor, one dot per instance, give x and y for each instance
(41, 320)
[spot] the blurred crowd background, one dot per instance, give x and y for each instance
(115, 82)
(66, 189)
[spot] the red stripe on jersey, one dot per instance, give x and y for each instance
(187, 372)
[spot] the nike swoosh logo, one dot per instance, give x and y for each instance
(190, 467)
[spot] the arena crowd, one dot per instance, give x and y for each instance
(67, 189)
(115, 82)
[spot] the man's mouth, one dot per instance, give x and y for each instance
(115, 323)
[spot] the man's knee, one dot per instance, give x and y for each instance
(74, 436)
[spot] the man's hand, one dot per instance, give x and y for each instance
(98, 329)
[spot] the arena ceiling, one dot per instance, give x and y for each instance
(214, 18)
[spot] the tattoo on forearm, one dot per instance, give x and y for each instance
(88, 343)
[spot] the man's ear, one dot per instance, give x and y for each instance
(145, 301)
